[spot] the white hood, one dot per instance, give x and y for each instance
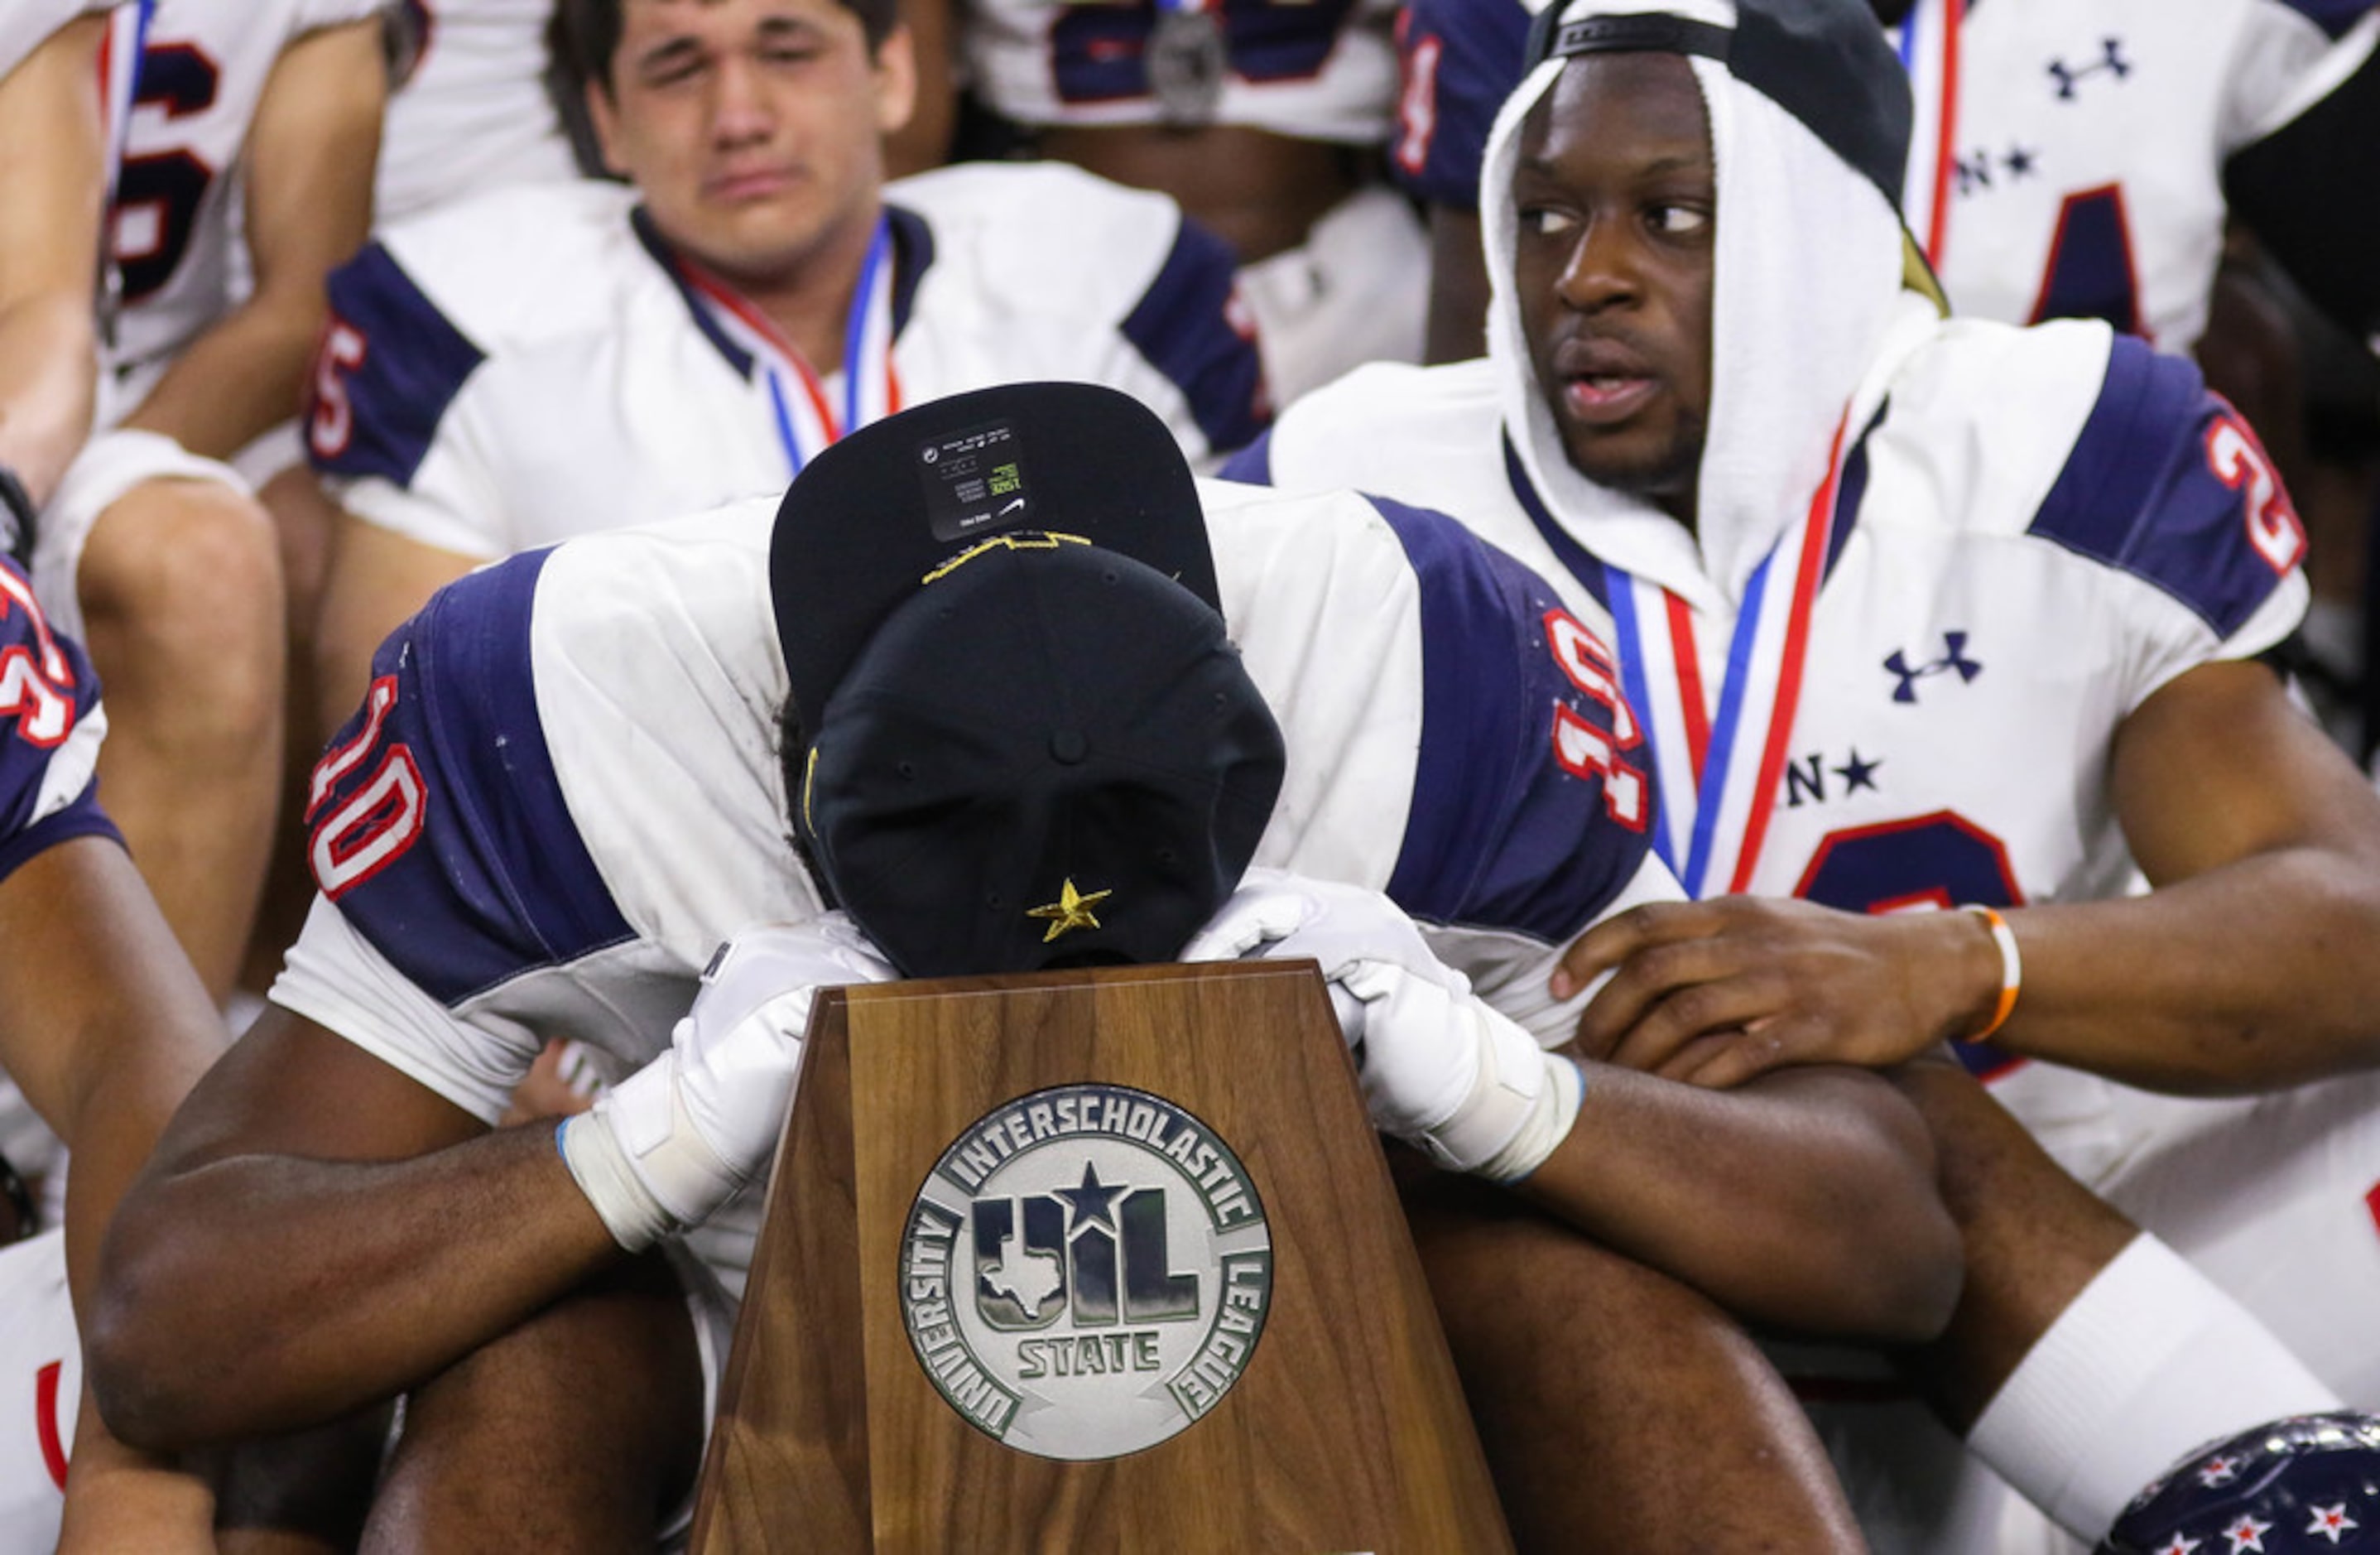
(1808, 293)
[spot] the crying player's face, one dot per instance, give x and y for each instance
(752, 127)
(1617, 210)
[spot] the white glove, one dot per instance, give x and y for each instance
(1440, 1069)
(673, 1141)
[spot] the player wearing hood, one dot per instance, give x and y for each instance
(1927, 613)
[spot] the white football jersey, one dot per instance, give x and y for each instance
(1319, 71)
(541, 363)
(566, 786)
(25, 24)
(176, 227)
(2041, 529)
(40, 1377)
(2080, 174)
(473, 113)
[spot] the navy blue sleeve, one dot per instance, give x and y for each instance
(1193, 328)
(436, 821)
(46, 691)
(389, 365)
(2168, 484)
(1252, 463)
(1532, 804)
(1459, 59)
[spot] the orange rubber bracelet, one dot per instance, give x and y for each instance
(2011, 969)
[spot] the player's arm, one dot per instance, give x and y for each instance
(105, 1028)
(310, 157)
(52, 184)
(2242, 971)
(317, 1231)
(1804, 1200)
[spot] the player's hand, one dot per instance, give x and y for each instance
(665, 1147)
(1439, 1069)
(1715, 992)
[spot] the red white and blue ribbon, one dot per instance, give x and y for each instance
(1928, 41)
(1719, 758)
(805, 416)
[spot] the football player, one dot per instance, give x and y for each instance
(103, 1026)
(1266, 122)
(2069, 161)
(243, 178)
(567, 357)
(578, 772)
(1920, 613)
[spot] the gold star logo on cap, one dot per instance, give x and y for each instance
(1070, 911)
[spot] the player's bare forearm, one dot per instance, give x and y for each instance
(48, 371)
(1805, 1200)
(239, 380)
(317, 1234)
(117, 1499)
(311, 158)
(2253, 977)
(52, 182)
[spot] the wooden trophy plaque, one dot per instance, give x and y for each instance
(1090, 1261)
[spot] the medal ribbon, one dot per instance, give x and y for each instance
(1718, 771)
(805, 419)
(1928, 41)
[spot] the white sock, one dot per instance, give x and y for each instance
(2150, 1362)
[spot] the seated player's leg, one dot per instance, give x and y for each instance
(169, 573)
(2278, 1198)
(581, 1429)
(1619, 1409)
(2084, 1356)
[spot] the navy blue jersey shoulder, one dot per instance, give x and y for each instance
(488, 878)
(46, 689)
(1252, 463)
(1459, 60)
(394, 363)
(2157, 487)
(1500, 835)
(1185, 324)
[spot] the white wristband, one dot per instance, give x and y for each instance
(628, 1207)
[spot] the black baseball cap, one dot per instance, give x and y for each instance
(1027, 741)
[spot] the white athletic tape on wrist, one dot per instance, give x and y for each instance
(1549, 1123)
(627, 1208)
(677, 1178)
(1517, 1110)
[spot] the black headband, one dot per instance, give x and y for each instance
(1825, 62)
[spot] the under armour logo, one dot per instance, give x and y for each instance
(1954, 657)
(2110, 62)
